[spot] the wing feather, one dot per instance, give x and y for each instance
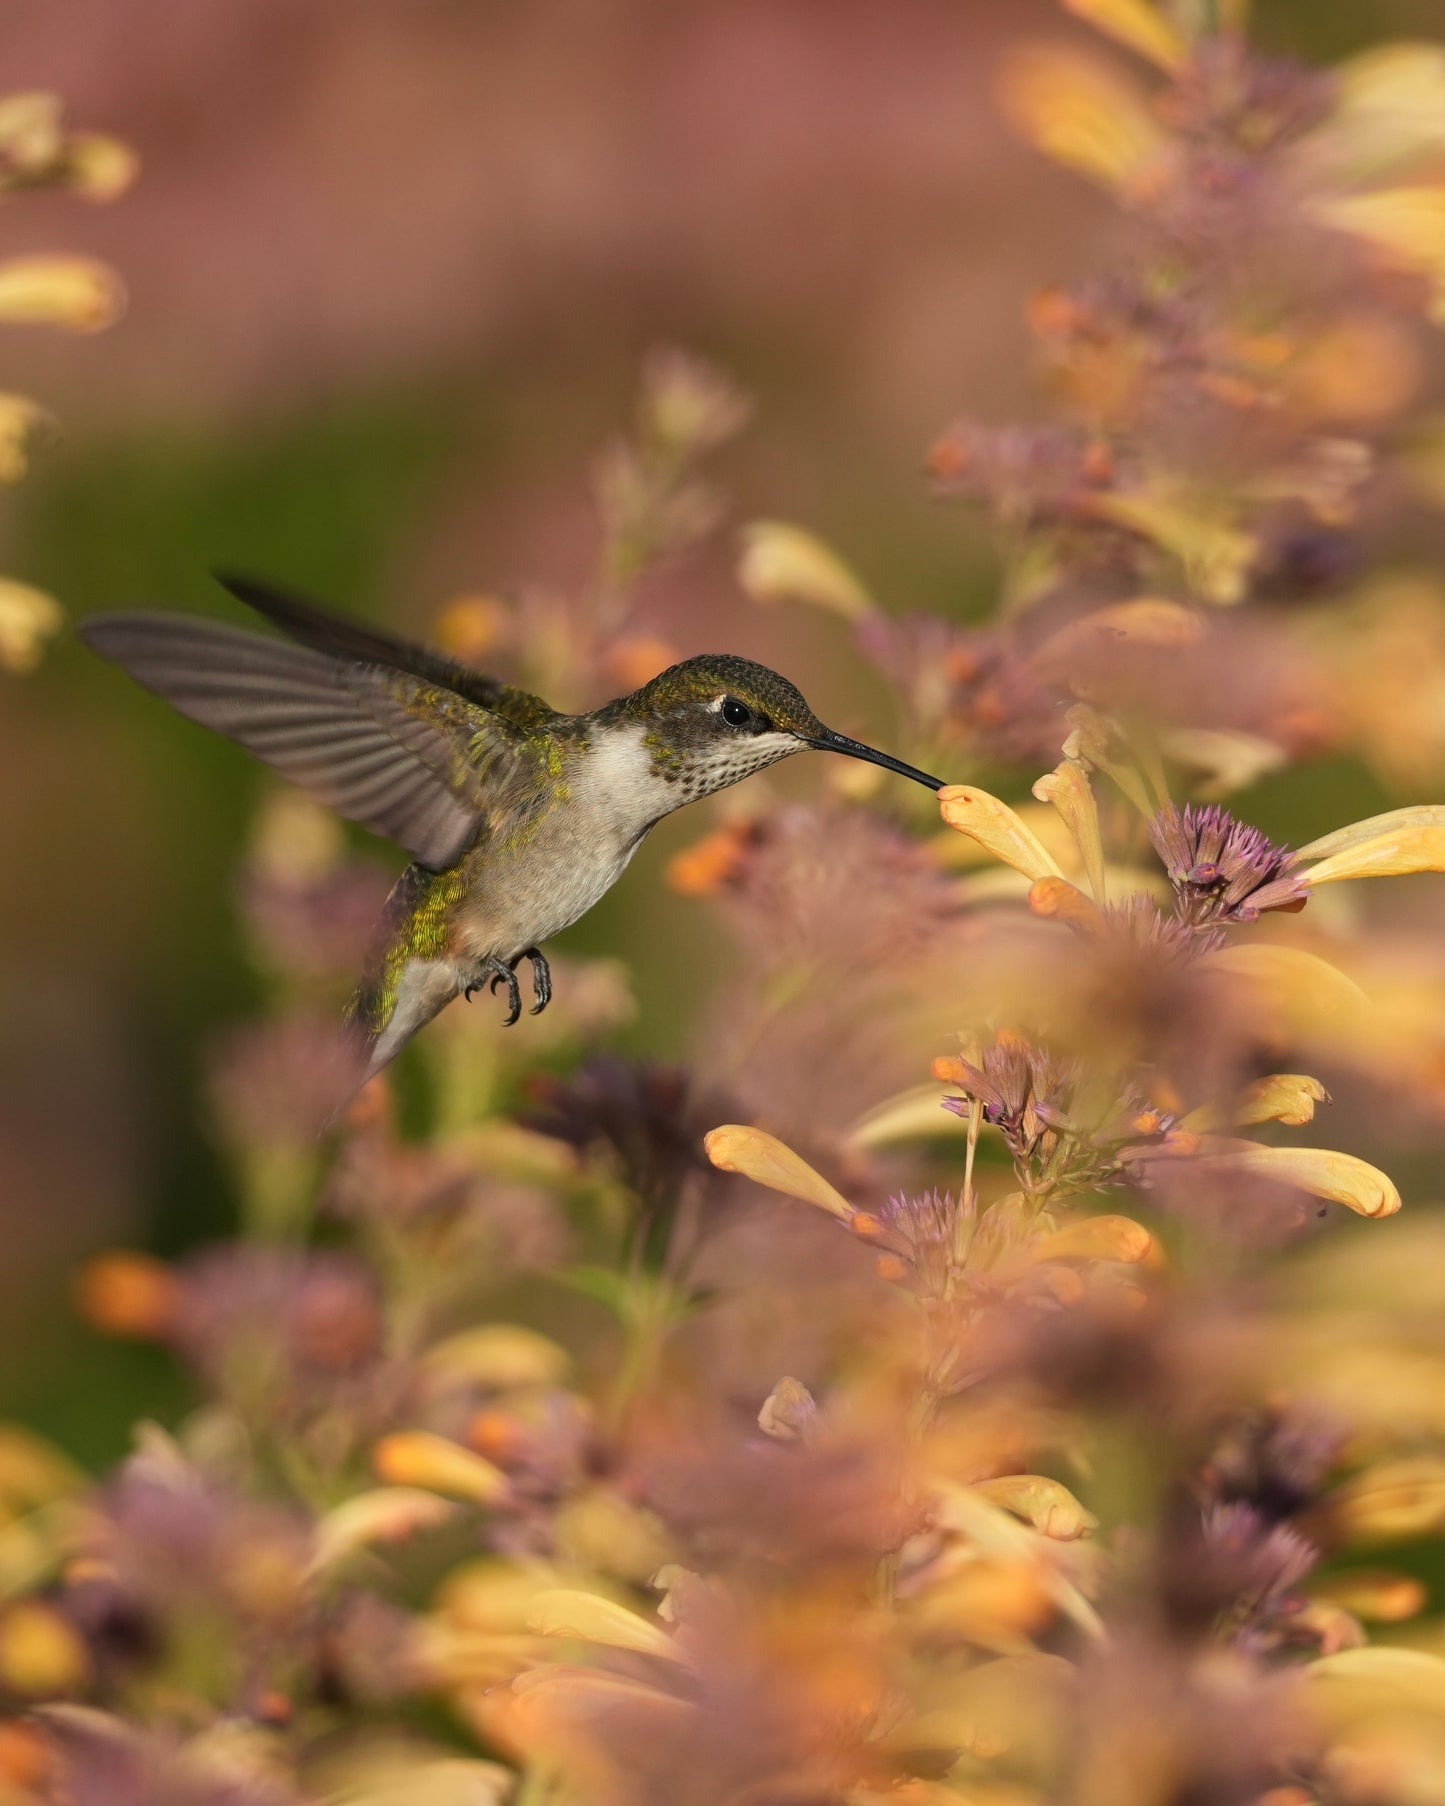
(375, 743)
(337, 637)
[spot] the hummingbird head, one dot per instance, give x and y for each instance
(713, 720)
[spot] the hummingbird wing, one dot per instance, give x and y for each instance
(325, 632)
(407, 757)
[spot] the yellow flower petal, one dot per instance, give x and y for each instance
(28, 618)
(1287, 1097)
(125, 1293)
(492, 1596)
(1418, 815)
(21, 423)
(393, 1769)
(32, 1549)
(33, 1471)
(388, 1514)
(1012, 1549)
(999, 1604)
(30, 129)
(998, 829)
(912, 1114)
(1056, 900)
(1397, 1757)
(552, 1715)
(1363, 1683)
(1015, 1702)
(1229, 760)
(956, 853)
(1402, 84)
(600, 1530)
(1144, 621)
(1051, 1508)
(1324, 1173)
(38, 150)
(501, 1356)
(589, 1618)
(1083, 114)
(418, 1458)
(782, 563)
(98, 167)
(1215, 556)
(77, 293)
(41, 1652)
(687, 404)
(1391, 1502)
(1068, 789)
(764, 1159)
(1097, 1238)
(1298, 992)
(1095, 740)
(1137, 24)
(1416, 848)
(1329, 1626)
(1406, 223)
(1378, 1594)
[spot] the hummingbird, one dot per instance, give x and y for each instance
(517, 817)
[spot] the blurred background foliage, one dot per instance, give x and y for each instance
(787, 1490)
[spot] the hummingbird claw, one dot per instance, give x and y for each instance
(541, 978)
(508, 977)
(494, 972)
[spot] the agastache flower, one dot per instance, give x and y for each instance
(649, 1119)
(1224, 870)
(1233, 1562)
(1138, 924)
(922, 1230)
(1018, 1087)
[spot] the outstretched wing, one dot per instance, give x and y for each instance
(401, 753)
(332, 634)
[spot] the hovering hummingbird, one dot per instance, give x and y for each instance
(517, 818)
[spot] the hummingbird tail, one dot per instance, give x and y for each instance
(409, 977)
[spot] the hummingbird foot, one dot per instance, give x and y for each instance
(541, 977)
(492, 972)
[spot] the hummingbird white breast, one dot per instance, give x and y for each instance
(577, 849)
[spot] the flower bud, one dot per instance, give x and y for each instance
(21, 422)
(1139, 25)
(781, 563)
(123, 1293)
(589, 1618)
(418, 1458)
(998, 829)
(76, 293)
(1082, 113)
(766, 1161)
(28, 618)
(41, 1653)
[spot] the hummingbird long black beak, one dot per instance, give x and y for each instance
(828, 741)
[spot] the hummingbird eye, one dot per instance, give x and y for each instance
(735, 713)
